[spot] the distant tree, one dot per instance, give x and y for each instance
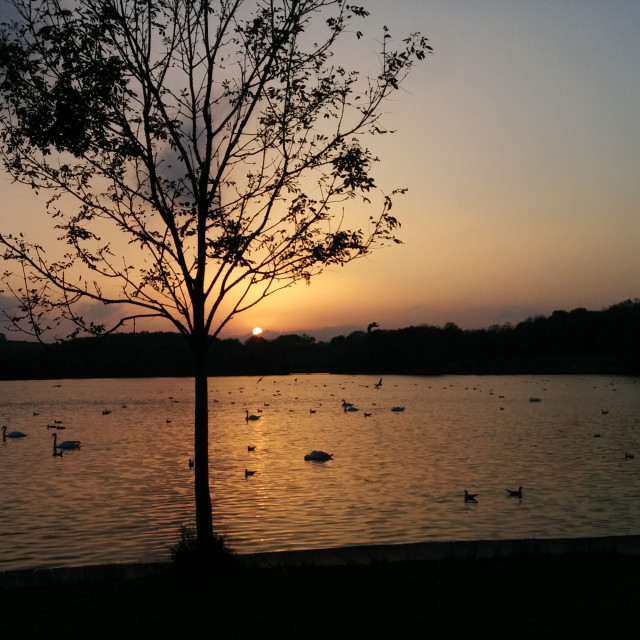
(200, 155)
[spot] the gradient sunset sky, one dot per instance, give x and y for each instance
(519, 143)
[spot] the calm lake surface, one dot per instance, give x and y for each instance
(395, 477)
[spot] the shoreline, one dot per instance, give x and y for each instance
(362, 555)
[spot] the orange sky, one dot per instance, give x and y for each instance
(519, 142)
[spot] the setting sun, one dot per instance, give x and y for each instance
(257, 331)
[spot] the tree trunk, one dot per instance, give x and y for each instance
(204, 523)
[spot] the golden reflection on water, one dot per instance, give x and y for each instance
(395, 477)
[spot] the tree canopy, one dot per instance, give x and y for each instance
(221, 139)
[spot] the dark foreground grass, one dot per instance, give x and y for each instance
(544, 597)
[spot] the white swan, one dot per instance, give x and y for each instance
(319, 456)
(251, 417)
(67, 444)
(13, 434)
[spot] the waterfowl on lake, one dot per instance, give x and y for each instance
(366, 415)
(514, 493)
(251, 417)
(470, 497)
(397, 409)
(319, 456)
(67, 444)
(191, 463)
(346, 404)
(629, 456)
(351, 408)
(12, 434)
(248, 473)
(251, 448)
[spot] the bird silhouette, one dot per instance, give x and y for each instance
(470, 497)
(13, 434)
(251, 417)
(378, 384)
(514, 493)
(250, 448)
(67, 444)
(191, 463)
(319, 456)
(248, 473)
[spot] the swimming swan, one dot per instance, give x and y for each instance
(67, 444)
(319, 456)
(248, 417)
(13, 434)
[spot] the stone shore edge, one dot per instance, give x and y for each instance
(341, 556)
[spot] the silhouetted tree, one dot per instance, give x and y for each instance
(220, 139)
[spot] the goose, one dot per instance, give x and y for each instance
(346, 404)
(13, 434)
(470, 497)
(514, 493)
(67, 444)
(318, 456)
(248, 473)
(251, 417)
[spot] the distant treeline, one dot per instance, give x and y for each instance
(578, 341)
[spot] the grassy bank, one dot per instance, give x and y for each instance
(545, 597)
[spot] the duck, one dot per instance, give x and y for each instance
(67, 444)
(248, 473)
(12, 434)
(470, 497)
(346, 404)
(514, 493)
(319, 456)
(251, 448)
(251, 417)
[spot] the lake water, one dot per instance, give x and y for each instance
(395, 477)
